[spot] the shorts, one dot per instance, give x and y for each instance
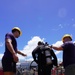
(70, 70)
(8, 65)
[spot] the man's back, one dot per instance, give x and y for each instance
(40, 56)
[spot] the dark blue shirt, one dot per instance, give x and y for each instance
(68, 53)
(14, 44)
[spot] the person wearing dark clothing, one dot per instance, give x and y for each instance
(10, 57)
(68, 48)
(42, 55)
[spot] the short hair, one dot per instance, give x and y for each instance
(40, 43)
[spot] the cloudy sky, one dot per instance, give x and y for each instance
(46, 20)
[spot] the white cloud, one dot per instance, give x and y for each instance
(30, 46)
(1, 55)
(57, 52)
(58, 43)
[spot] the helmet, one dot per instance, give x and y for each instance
(18, 29)
(65, 36)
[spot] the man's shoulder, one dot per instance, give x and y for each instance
(9, 34)
(69, 43)
(36, 48)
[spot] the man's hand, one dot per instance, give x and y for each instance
(21, 53)
(24, 54)
(15, 57)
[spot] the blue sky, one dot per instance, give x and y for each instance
(46, 20)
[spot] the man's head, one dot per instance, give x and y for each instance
(16, 31)
(40, 43)
(66, 38)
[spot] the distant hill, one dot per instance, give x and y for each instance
(26, 64)
(23, 64)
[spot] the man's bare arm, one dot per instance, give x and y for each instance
(57, 48)
(19, 52)
(9, 46)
